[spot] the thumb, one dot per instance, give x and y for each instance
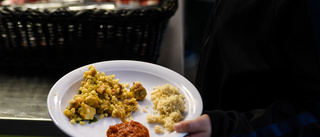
(199, 124)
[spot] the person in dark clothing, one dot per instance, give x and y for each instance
(259, 71)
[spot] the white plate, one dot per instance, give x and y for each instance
(150, 75)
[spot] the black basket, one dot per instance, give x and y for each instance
(68, 39)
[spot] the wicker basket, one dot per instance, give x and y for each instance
(67, 39)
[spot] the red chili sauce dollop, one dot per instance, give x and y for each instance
(128, 129)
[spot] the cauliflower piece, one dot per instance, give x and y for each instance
(92, 101)
(87, 112)
(102, 88)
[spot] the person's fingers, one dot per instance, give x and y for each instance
(199, 124)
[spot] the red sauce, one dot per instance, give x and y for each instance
(128, 129)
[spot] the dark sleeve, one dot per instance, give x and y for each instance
(282, 118)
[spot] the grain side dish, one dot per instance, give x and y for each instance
(169, 104)
(103, 95)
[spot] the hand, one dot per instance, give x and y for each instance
(199, 127)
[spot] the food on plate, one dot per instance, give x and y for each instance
(169, 104)
(128, 129)
(138, 91)
(158, 129)
(103, 95)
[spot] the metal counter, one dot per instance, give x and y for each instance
(23, 109)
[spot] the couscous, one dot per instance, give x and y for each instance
(158, 129)
(169, 104)
(102, 95)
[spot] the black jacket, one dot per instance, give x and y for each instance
(259, 71)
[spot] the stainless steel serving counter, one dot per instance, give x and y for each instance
(24, 95)
(23, 109)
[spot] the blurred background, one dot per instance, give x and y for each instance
(192, 14)
(23, 92)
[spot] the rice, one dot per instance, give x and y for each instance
(169, 104)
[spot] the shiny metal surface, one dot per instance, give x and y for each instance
(24, 93)
(23, 96)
